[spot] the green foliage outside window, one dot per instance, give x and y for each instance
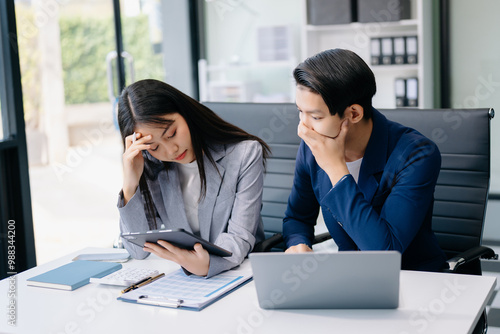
(85, 42)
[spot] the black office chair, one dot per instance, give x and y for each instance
(463, 138)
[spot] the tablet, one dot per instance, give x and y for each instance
(178, 237)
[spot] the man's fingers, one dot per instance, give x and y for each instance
(344, 128)
(306, 133)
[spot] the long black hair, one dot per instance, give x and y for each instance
(147, 101)
(342, 79)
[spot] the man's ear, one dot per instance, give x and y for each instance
(355, 113)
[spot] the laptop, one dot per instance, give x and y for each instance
(342, 280)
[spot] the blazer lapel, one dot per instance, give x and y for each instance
(375, 156)
(174, 204)
(214, 178)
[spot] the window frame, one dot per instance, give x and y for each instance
(17, 251)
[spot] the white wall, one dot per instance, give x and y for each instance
(177, 53)
(475, 68)
(475, 65)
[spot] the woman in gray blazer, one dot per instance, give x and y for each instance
(185, 167)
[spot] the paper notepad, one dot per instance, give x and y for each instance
(192, 292)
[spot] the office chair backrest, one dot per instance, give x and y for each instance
(463, 138)
(276, 124)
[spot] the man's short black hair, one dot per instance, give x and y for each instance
(342, 79)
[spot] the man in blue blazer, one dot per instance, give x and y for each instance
(373, 179)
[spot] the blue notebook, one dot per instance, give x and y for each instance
(73, 275)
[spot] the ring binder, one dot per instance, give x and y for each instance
(375, 51)
(399, 50)
(412, 92)
(387, 51)
(400, 92)
(412, 49)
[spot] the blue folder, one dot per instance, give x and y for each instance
(73, 275)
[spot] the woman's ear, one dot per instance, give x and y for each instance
(355, 113)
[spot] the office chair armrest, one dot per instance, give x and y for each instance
(469, 256)
(276, 239)
(267, 244)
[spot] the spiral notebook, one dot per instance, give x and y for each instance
(178, 290)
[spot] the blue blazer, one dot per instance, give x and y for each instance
(389, 209)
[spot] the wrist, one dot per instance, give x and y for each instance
(336, 174)
(128, 194)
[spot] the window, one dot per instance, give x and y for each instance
(68, 63)
(17, 251)
(251, 49)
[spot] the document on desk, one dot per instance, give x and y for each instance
(179, 290)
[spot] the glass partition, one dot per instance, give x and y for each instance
(251, 49)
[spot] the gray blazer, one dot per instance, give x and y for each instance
(229, 215)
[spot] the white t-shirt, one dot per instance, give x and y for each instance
(354, 167)
(190, 187)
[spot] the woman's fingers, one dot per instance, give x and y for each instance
(139, 142)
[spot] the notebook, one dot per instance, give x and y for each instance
(73, 275)
(178, 290)
(345, 280)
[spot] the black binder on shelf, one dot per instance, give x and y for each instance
(400, 92)
(375, 51)
(411, 44)
(387, 51)
(399, 50)
(412, 92)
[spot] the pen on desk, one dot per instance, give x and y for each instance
(150, 280)
(143, 282)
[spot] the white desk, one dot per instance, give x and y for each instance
(429, 303)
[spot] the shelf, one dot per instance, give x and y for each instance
(357, 36)
(394, 68)
(267, 64)
(413, 23)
